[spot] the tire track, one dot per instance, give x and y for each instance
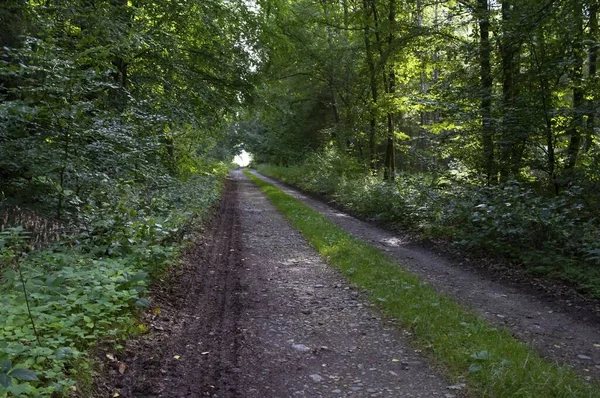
(198, 356)
(258, 314)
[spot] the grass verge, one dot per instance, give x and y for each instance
(491, 361)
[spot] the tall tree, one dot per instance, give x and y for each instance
(509, 47)
(368, 10)
(592, 69)
(486, 81)
(576, 126)
(390, 150)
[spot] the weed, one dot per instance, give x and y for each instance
(88, 288)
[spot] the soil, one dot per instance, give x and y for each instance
(255, 312)
(562, 325)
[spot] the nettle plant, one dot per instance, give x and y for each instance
(8, 373)
(57, 302)
(12, 247)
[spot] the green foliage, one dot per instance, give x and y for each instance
(518, 103)
(111, 117)
(554, 236)
(322, 172)
(92, 94)
(88, 288)
(8, 373)
(113, 126)
(491, 360)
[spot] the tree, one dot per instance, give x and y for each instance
(487, 129)
(95, 92)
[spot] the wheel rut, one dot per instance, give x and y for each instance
(193, 349)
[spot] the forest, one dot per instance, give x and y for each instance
(473, 122)
(468, 121)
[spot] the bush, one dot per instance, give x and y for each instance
(555, 236)
(88, 287)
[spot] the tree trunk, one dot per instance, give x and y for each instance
(507, 53)
(332, 91)
(574, 131)
(545, 94)
(390, 153)
(389, 160)
(373, 87)
(487, 131)
(592, 68)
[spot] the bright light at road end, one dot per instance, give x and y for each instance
(243, 159)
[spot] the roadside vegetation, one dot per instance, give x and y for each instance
(555, 237)
(489, 360)
(481, 117)
(86, 288)
(114, 139)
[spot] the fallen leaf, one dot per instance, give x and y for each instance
(475, 367)
(205, 353)
(116, 395)
(395, 360)
(111, 357)
(122, 367)
(300, 347)
(176, 356)
(597, 345)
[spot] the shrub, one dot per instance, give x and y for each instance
(557, 236)
(88, 287)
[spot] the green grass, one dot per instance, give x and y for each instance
(491, 361)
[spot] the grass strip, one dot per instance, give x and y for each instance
(489, 359)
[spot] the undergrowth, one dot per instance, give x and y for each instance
(556, 237)
(59, 302)
(489, 359)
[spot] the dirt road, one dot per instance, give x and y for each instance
(566, 330)
(257, 313)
